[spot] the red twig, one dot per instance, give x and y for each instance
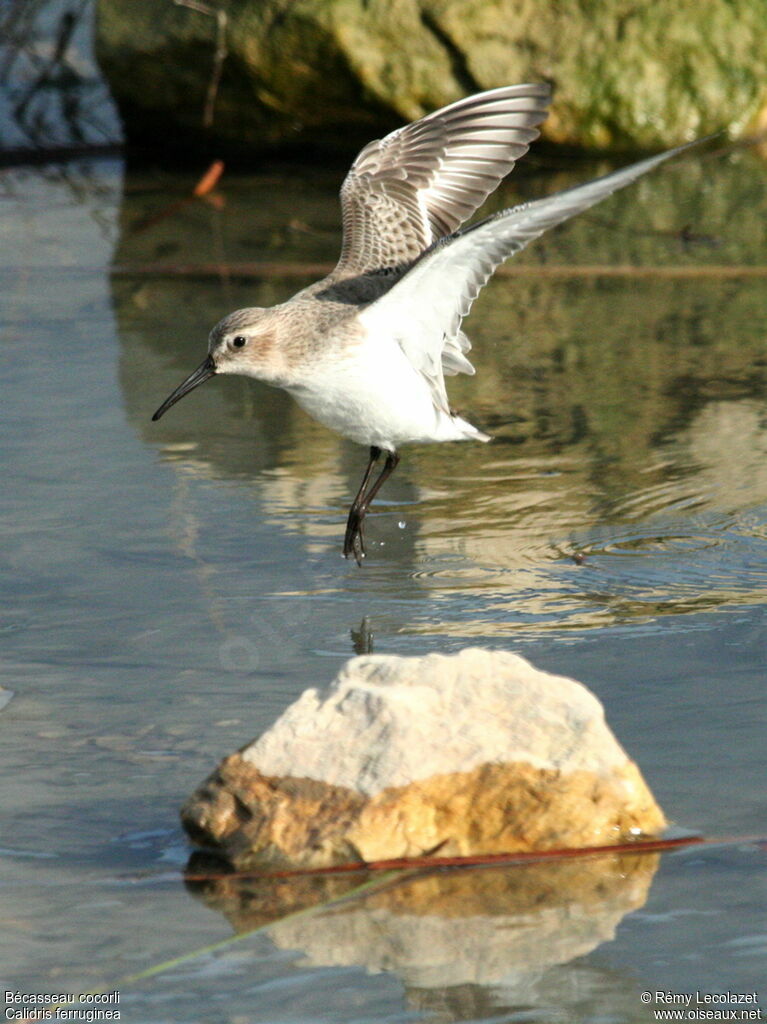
(209, 180)
(200, 191)
(478, 860)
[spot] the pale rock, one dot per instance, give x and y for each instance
(478, 752)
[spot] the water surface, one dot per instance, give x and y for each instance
(171, 587)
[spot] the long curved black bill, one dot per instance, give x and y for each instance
(203, 372)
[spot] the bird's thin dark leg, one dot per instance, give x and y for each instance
(392, 460)
(356, 514)
(353, 542)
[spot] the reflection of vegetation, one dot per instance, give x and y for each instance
(625, 407)
(616, 364)
(51, 90)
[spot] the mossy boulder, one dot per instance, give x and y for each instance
(317, 72)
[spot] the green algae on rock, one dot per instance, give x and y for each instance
(309, 72)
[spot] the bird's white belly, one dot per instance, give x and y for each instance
(375, 397)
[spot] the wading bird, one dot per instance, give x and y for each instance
(366, 350)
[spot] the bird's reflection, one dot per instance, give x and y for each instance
(362, 637)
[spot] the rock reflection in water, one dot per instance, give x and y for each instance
(478, 927)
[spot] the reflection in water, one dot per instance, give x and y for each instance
(626, 479)
(126, 580)
(52, 95)
(488, 931)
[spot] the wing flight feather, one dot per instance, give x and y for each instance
(424, 309)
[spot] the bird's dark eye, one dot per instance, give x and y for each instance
(239, 341)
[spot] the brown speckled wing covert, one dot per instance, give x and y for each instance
(423, 181)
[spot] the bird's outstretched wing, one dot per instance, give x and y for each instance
(424, 309)
(423, 181)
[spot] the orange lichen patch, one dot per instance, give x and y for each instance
(255, 819)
